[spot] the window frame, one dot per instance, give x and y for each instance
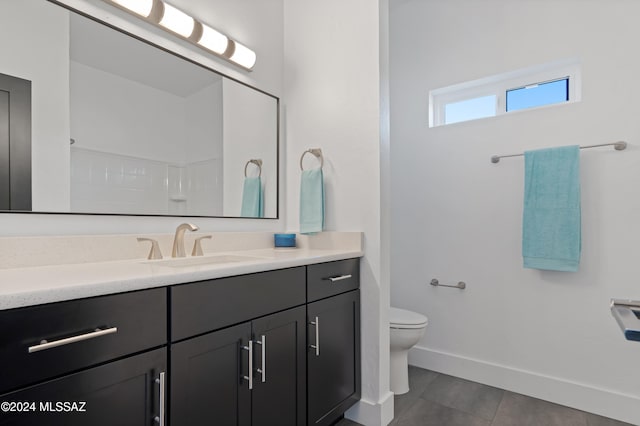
(498, 85)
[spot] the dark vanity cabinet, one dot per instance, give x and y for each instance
(97, 361)
(125, 393)
(276, 348)
(252, 373)
(333, 364)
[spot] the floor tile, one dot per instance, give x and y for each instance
(473, 398)
(429, 413)
(593, 420)
(521, 410)
(419, 378)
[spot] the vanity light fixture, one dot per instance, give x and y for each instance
(243, 56)
(139, 7)
(173, 19)
(177, 22)
(213, 40)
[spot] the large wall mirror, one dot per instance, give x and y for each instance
(115, 125)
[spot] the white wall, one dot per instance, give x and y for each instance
(259, 24)
(457, 217)
(332, 102)
(248, 133)
(112, 114)
(23, 53)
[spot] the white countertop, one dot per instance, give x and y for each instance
(45, 284)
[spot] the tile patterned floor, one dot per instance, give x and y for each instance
(440, 400)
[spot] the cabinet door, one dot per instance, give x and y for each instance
(279, 390)
(207, 379)
(333, 357)
(123, 393)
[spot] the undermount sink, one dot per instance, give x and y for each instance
(203, 260)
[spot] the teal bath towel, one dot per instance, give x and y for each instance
(551, 236)
(311, 201)
(252, 198)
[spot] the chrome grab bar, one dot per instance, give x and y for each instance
(44, 344)
(461, 285)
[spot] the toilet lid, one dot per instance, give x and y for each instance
(401, 318)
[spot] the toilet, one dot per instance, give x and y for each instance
(405, 330)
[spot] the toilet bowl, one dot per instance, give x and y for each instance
(405, 330)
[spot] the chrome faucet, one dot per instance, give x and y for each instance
(178, 240)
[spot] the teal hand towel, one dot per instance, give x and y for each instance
(252, 198)
(311, 201)
(551, 236)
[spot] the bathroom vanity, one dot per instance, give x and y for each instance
(278, 347)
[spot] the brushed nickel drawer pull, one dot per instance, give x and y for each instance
(91, 335)
(161, 382)
(339, 278)
(317, 345)
(249, 378)
(263, 370)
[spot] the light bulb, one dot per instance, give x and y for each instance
(177, 21)
(213, 40)
(139, 7)
(243, 56)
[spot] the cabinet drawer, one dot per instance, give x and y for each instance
(210, 305)
(128, 323)
(329, 279)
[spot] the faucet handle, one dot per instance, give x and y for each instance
(155, 252)
(197, 246)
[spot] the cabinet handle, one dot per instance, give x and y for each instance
(160, 381)
(249, 378)
(317, 345)
(263, 371)
(339, 278)
(44, 344)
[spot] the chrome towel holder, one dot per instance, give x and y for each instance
(257, 162)
(314, 151)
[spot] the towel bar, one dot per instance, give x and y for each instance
(618, 146)
(257, 162)
(315, 151)
(461, 285)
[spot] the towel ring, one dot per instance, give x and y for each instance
(315, 151)
(257, 162)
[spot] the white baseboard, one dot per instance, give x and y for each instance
(372, 413)
(619, 406)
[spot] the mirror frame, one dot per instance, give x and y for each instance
(195, 62)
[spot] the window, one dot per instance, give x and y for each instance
(470, 109)
(534, 87)
(539, 94)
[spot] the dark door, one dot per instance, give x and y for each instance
(207, 379)
(280, 359)
(334, 360)
(123, 393)
(15, 143)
